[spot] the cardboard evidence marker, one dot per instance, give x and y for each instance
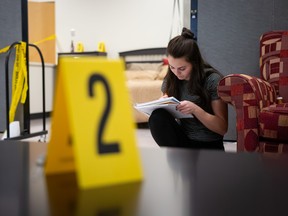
(93, 132)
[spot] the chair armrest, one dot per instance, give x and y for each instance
(248, 95)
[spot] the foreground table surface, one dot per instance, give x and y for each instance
(176, 182)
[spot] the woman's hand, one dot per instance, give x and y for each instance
(217, 122)
(164, 96)
(186, 107)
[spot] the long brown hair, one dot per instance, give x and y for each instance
(185, 46)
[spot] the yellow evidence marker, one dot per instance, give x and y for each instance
(92, 130)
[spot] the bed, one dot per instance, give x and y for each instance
(145, 71)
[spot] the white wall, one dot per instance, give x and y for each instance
(122, 24)
(35, 81)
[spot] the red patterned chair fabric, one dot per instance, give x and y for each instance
(261, 123)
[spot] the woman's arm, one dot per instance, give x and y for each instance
(217, 122)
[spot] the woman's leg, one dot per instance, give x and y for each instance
(165, 130)
(213, 145)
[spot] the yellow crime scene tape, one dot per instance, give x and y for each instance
(52, 37)
(19, 79)
(19, 76)
(5, 49)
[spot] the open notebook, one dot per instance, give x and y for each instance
(169, 104)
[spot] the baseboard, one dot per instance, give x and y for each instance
(229, 140)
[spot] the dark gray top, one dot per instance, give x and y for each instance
(194, 129)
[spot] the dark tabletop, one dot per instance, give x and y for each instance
(176, 182)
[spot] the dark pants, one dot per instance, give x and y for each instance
(166, 131)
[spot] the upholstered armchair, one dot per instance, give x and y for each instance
(261, 104)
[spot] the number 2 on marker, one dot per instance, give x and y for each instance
(101, 146)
